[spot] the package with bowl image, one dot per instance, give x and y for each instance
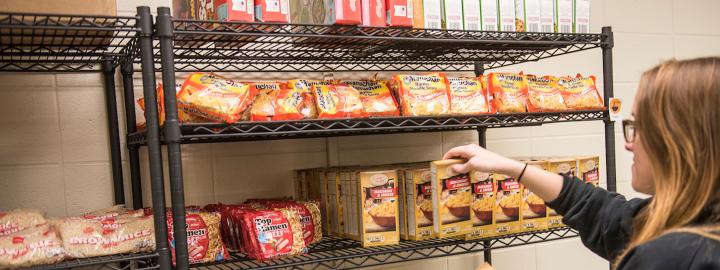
(589, 169)
(508, 199)
(451, 199)
(418, 208)
(483, 189)
(565, 167)
(534, 211)
(379, 205)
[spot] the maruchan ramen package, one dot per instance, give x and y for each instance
(544, 94)
(297, 102)
(451, 197)
(534, 211)
(379, 205)
(489, 9)
(422, 95)
(467, 96)
(32, 246)
(84, 238)
(509, 92)
(400, 13)
(580, 93)
(272, 234)
(565, 167)
(418, 197)
(212, 97)
(263, 108)
(376, 97)
(563, 16)
(338, 101)
(508, 201)
(203, 237)
(483, 189)
(183, 116)
(19, 219)
(589, 170)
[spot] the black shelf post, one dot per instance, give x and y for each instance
(607, 46)
(479, 68)
(131, 126)
(108, 69)
(153, 137)
(172, 134)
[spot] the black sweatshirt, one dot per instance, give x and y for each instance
(604, 221)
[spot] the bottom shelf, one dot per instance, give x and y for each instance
(338, 253)
(138, 261)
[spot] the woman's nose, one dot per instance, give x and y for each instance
(629, 146)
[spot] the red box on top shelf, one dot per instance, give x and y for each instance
(272, 11)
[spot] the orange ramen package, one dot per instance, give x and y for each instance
(580, 93)
(544, 94)
(297, 102)
(263, 108)
(467, 96)
(377, 99)
(213, 97)
(422, 95)
(509, 92)
(338, 101)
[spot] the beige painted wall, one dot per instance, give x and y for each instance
(54, 153)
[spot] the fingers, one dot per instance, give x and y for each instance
(461, 168)
(459, 152)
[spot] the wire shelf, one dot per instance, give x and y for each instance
(64, 43)
(138, 261)
(244, 131)
(337, 253)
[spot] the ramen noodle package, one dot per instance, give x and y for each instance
(589, 169)
(418, 198)
(422, 95)
(483, 190)
(32, 246)
(272, 234)
(338, 101)
(203, 237)
(565, 167)
(84, 238)
(379, 208)
(534, 211)
(580, 93)
(213, 97)
(20, 219)
(544, 94)
(297, 101)
(377, 99)
(467, 96)
(263, 108)
(509, 92)
(451, 199)
(309, 218)
(508, 199)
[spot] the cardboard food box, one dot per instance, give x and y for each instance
(272, 11)
(471, 15)
(451, 199)
(346, 12)
(431, 14)
(547, 16)
(418, 203)
(534, 211)
(373, 13)
(589, 169)
(333, 206)
(508, 201)
(482, 213)
(581, 16)
(379, 208)
(399, 13)
(205, 10)
(235, 10)
(452, 14)
(489, 15)
(565, 167)
(308, 12)
(418, 20)
(506, 9)
(563, 16)
(527, 14)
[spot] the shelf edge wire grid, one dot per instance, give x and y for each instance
(137, 261)
(215, 132)
(64, 43)
(235, 46)
(338, 253)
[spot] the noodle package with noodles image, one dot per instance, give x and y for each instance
(379, 208)
(483, 192)
(508, 199)
(451, 199)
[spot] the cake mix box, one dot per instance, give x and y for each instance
(534, 211)
(508, 199)
(451, 199)
(506, 9)
(483, 189)
(564, 167)
(431, 14)
(272, 11)
(563, 16)
(581, 16)
(373, 13)
(471, 15)
(527, 15)
(235, 10)
(378, 202)
(452, 14)
(489, 15)
(547, 16)
(418, 203)
(400, 13)
(589, 169)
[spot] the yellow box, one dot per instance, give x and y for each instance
(508, 200)
(482, 213)
(379, 204)
(417, 195)
(534, 211)
(451, 199)
(565, 167)
(589, 169)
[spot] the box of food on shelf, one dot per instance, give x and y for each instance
(452, 14)
(471, 15)
(374, 13)
(534, 211)
(581, 16)
(547, 16)
(527, 15)
(489, 15)
(399, 13)
(417, 192)
(589, 169)
(235, 10)
(378, 202)
(564, 16)
(277, 11)
(430, 14)
(482, 216)
(566, 167)
(508, 200)
(506, 11)
(451, 199)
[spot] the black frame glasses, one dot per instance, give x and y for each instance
(629, 130)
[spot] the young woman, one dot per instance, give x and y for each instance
(675, 139)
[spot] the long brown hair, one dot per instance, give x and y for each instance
(678, 117)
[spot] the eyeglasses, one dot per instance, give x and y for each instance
(629, 130)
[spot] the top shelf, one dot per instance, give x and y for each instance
(235, 46)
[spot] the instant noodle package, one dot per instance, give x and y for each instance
(297, 101)
(451, 199)
(270, 234)
(338, 101)
(422, 95)
(509, 92)
(264, 106)
(467, 96)
(376, 97)
(580, 93)
(213, 97)
(203, 237)
(544, 95)
(482, 208)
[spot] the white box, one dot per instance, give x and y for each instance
(432, 13)
(489, 12)
(528, 14)
(507, 15)
(471, 15)
(581, 22)
(564, 16)
(452, 14)
(547, 16)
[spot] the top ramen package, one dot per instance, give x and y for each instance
(377, 99)
(544, 94)
(33, 246)
(203, 237)
(272, 233)
(379, 208)
(580, 93)
(422, 95)
(566, 167)
(309, 217)
(338, 101)
(467, 96)
(509, 91)
(418, 202)
(534, 211)
(451, 199)
(213, 97)
(508, 200)
(483, 192)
